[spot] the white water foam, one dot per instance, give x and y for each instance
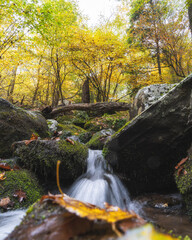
(9, 220)
(99, 185)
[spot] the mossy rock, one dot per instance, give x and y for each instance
(20, 180)
(113, 121)
(80, 118)
(41, 157)
(183, 180)
(17, 124)
(99, 139)
(84, 137)
(69, 130)
(65, 119)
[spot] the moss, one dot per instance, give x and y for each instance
(184, 184)
(65, 119)
(18, 124)
(105, 151)
(84, 137)
(113, 121)
(99, 139)
(20, 180)
(41, 158)
(70, 128)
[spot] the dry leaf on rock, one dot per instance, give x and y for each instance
(112, 215)
(5, 166)
(20, 195)
(6, 202)
(2, 176)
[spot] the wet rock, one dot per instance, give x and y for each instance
(20, 180)
(146, 151)
(41, 157)
(17, 124)
(99, 139)
(148, 96)
(49, 221)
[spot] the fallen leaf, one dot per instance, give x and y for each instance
(34, 136)
(5, 166)
(181, 162)
(85, 210)
(6, 202)
(20, 195)
(70, 141)
(180, 170)
(2, 176)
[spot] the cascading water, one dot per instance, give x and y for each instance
(99, 184)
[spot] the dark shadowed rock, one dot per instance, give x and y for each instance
(17, 124)
(147, 149)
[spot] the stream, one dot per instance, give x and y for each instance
(99, 185)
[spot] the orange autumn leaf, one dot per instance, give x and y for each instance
(2, 176)
(70, 141)
(85, 210)
(5, 166)
(34, 136)
(181, 162)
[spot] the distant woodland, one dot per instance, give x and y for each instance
(50, 56)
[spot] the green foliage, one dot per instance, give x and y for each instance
(20, 180)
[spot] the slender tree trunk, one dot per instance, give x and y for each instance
(12, 84)
(86, 92)
(190, 16)
(38, 82)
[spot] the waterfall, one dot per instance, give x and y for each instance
(99, 184)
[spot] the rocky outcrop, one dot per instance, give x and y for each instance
(148, 96)
(17, 124)
(99, 139)
(41, 156)
(147, 149)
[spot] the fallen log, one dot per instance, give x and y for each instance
(99, 108)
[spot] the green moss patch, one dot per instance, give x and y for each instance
(41, 157)
(20, 180)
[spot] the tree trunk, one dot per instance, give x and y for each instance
(86, 92)
(99, 108)
(190, 16)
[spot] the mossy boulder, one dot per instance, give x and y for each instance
(113, 121)
(99, 139)
(41, 157)
(183, 178)
(20, 180)
(17, 124)
(80, 118)
(70, 130)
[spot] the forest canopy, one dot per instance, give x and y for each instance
(49, 55)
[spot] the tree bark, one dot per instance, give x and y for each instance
(190, 16)
(86, 92)
(99, 108)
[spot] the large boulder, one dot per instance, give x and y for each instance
(147, 96)
(17, 124)
(41, 156)
(147, 149)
